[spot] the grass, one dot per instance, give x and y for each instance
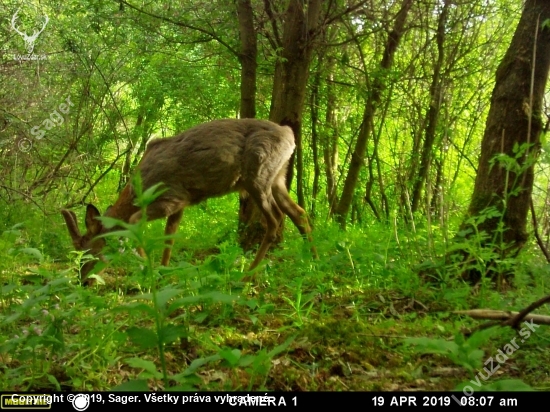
(359, 319)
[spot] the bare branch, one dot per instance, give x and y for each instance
(273, 20)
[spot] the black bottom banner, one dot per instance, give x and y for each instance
(203, 400)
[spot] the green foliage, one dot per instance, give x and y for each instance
(301, 305)
(168, 327)
(463, 352)
(504, 385)
(467, 353)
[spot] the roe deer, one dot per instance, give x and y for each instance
(208, 160)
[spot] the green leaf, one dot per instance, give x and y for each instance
(480, 337)
(213, 296)
(342, 246)
(434, 346)
(59, 281)
(246, 360)
(282, 347)
(120, 233)
(170, 333)
(147, 197)
(508, 385)
(8, 288)
(146, 365)
(12, 318)
(501, 385)
(186, 382)
(53, 380)
(32, 252)
(197, 363)
(136, 385)
(143, 337)
(11, 235)
(186, 300)
(232, 356)
(135, 308)
(201, 317)
(220, 297)
(36, 279)
(181, 388)
(165, 295)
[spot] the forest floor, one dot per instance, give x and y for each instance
(360, 319)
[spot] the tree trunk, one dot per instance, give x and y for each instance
(247, 58)
(249, 214)
(292, 72)
(314, 113)
(378, 86)
(287, 103)
(513, 129)
(330, 139)
(384, 202)
(436, 93)
(372, 160)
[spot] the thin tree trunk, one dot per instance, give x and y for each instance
(437, 190)
(330, 140)
(314, 110)
(384, 202)
(247, 58)
(433, 111)
(378, 86)
(250, 228)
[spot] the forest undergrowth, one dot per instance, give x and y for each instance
(360, 318)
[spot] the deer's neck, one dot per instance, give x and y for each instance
(124, 207)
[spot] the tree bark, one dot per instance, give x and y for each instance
(514, 122)
(291, 75)
(249, 226)
(247, 58)
(314, 113)
(287, 104)
(330, 139)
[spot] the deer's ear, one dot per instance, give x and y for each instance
(70, 220)
(92, 224)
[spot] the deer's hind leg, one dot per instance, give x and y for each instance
(273, 217)
(293, 211)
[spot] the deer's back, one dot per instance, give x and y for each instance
(215, 158)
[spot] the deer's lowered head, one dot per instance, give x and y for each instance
(123, 209)
(88, 241)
